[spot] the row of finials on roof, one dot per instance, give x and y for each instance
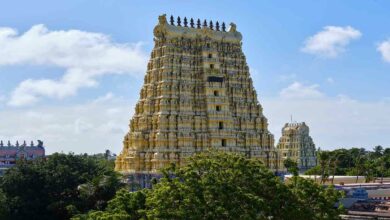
(198, 24)
(40, 144)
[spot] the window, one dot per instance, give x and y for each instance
(210, 55)
(220, 125)
(211, 66)
(223, 142)
(218, 108)
(215, 79)
(208, 45)
(216, 93)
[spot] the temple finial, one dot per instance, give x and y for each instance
(217, 26)
(1, 144)
(198, 23)
(17, 143)
(211, 25)
(24, 143)
(192, 22)
(9, 143)
(32, 144)
(178, 21)
(172, 20)
(204, 23)
(185, 22)
(223, 26)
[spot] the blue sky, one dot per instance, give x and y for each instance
(324, 62)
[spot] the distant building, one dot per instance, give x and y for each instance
(9, 153)
(297, 145)
(366, 200)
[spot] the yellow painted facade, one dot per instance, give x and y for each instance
(297, 145)
(197, 95)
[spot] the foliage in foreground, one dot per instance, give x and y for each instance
(217, 185)
(56, 187)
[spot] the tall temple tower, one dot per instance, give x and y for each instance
(297, 145)
(197, 94)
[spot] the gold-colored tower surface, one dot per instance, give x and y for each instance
(197, 94)
(297, 145)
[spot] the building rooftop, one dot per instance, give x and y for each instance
(17, 145)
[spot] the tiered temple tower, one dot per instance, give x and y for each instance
(297, 145)
(197, 95)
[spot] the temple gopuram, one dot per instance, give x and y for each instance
(297, 145)
(197, 95)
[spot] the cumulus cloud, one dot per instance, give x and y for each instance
(90, 127)
(331, 41)
(334, 122)
(384, 49)
(299, 90)
(84, 56)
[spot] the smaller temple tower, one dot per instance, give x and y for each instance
(297, 145)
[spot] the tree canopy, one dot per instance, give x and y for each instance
(353, 162)
(56, 187)
(219, 185)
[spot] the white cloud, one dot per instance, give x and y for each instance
(330, 80)
(107, 97)
(287, 77)
(2, 98)
(101, 123)
(384, 49)
(84, 56)
(331, 41)
(90, 127)
(334, 121)
(298, 90)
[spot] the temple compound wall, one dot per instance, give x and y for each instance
(296, 144)
(197, 95)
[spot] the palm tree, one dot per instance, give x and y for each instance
(359, 165)
(380, 166)
(378, 151)
(335, 160)
(323, 157)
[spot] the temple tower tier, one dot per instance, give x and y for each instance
(296, 144)
(197, 94)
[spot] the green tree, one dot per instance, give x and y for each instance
(125, 205)
(334, 162)
(4, 212)
(359, 165)
(291, 166)
(323, 158)
(321, 200)
(52, 188)
(378, 151)
(216, 185)
(369, 170)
